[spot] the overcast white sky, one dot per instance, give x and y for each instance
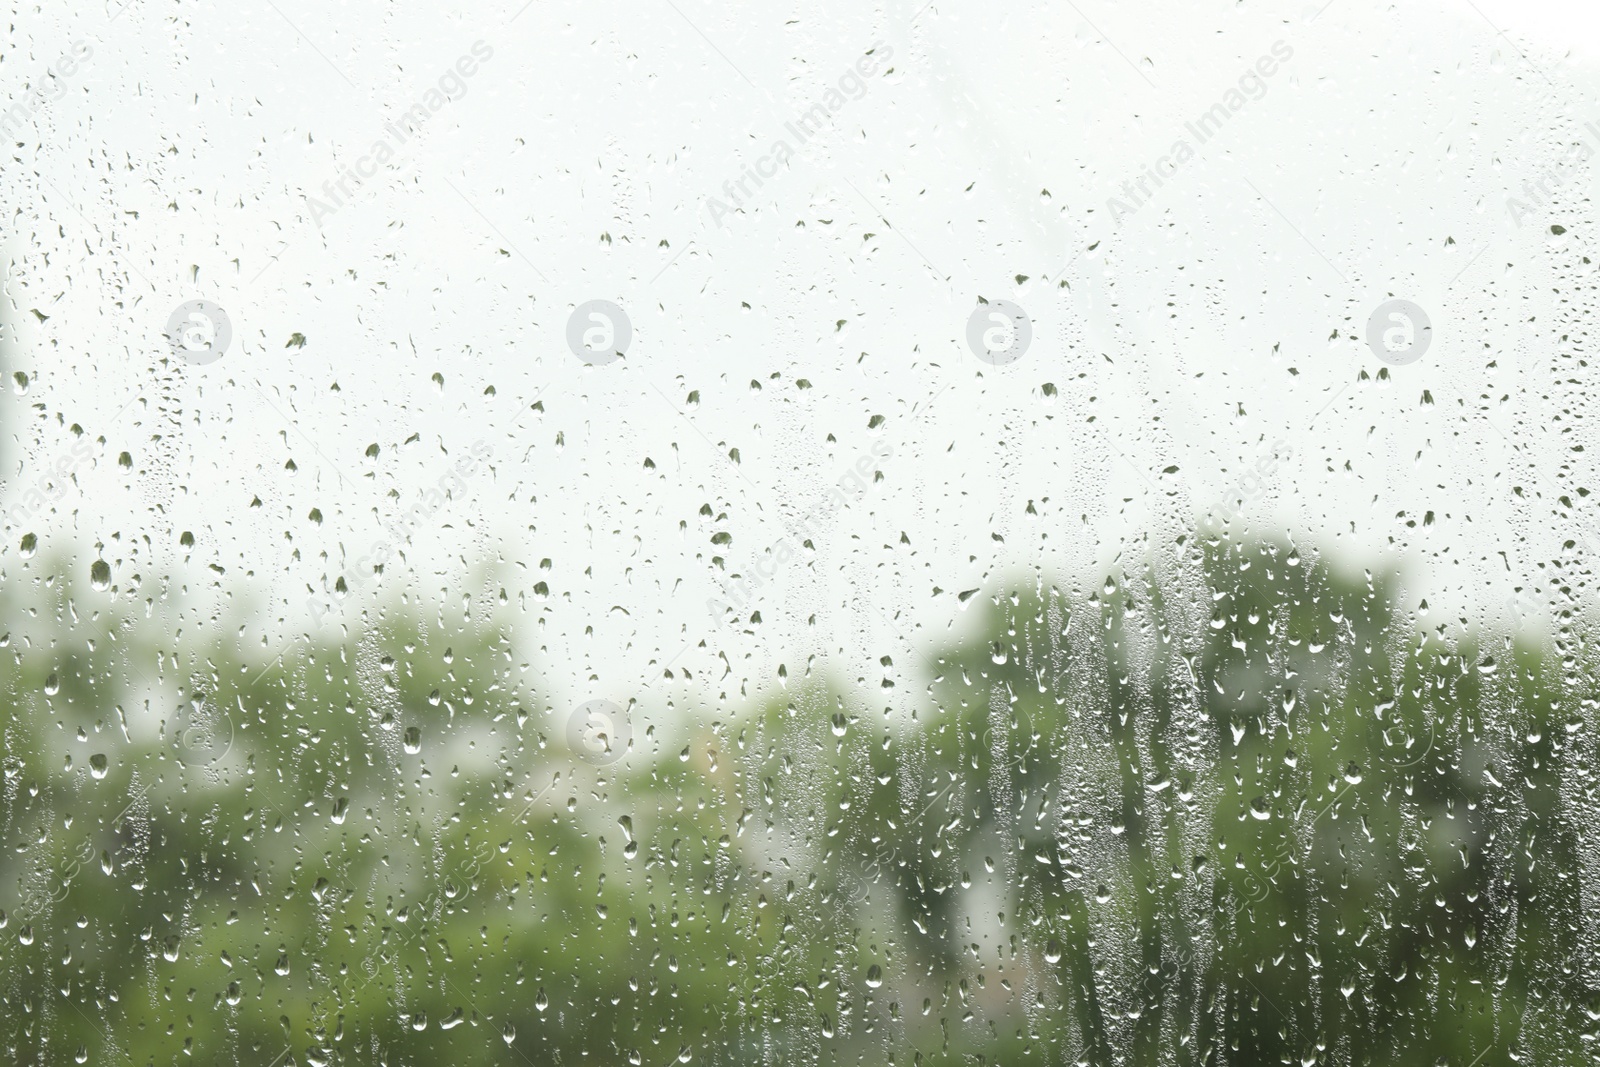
(1223, 316)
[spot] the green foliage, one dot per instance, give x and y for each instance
(1237, 810)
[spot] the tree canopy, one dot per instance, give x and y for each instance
(1236, 809)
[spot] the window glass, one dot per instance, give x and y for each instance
(915, 533)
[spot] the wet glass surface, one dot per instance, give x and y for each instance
(914, 534)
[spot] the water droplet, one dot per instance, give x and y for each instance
(413, 740)
(100, 575)
(97, 765)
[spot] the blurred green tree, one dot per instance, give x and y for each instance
(1234, 807)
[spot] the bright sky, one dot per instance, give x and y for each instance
(573, 164)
